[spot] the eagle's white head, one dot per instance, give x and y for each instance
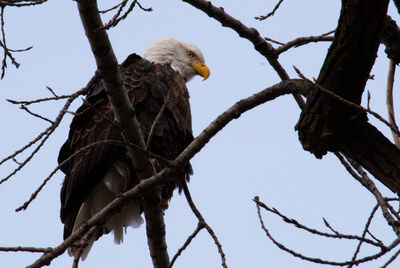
(184, 58)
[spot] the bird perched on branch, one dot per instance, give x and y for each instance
(96, 165)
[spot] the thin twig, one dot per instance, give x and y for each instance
(365, 181)
(317, 260)
(374, 237)
(261, 18)
(81, 150)
(330, 228)
(16, 161)
(366, 227)
(199, 227)
(274, 41)
(116, 19)
(114, 7)
(197, 213)
(40, 100)
(23, 107)
(20, 50)
(52, 91)
(156, 120)
(301, 41)
(4, 45)
(116, 15)
(316, 232)
(44, 135)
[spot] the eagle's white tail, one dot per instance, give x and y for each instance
(114, 182)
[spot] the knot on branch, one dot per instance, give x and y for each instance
(325, 120)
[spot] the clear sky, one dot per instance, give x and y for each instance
(258, 154)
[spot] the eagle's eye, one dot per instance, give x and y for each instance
(190, 54)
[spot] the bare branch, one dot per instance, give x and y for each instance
(80, 151)
(316, 232)
(251, 34)
(52, 91)
(371, 216)
(42, 99)
(365, 181)
(3, 44)
(26, 249)
(21, 3)
(153, 126)
(42, 136)
(123, 3)
(330, 228)
(260, 18)
(117, 18)
(197, 213)
(389, 101)
(317, 260)
(23, 107)
(16, 161)
(301, 41)
(46, 180)
(199, 227)
(274, 41)
(124, 114)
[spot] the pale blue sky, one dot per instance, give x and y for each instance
(258, 154)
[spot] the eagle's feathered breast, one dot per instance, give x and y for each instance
(95, 143)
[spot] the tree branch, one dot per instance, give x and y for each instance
(383, 251)
(301, 41)
(365, 181)
(264, 17)
(203, 223)
(199, 227)
(124, 113)
(251, 34)
(389, 101)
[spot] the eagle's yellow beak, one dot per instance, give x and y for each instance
(201, 69)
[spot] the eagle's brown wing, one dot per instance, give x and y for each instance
(93, 126)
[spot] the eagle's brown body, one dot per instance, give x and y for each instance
(148, 86)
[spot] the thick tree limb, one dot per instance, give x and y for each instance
(391, 39)
(328, 125)
(124, 113)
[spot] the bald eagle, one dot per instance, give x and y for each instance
(96, 175)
